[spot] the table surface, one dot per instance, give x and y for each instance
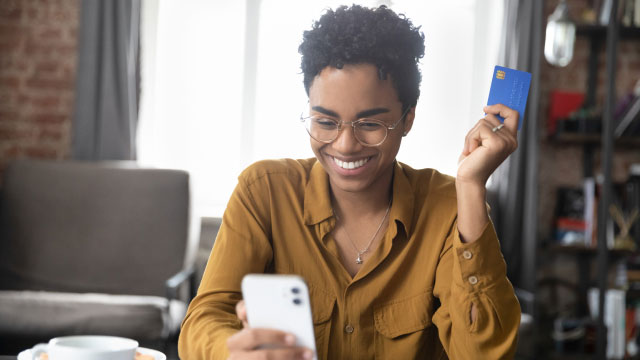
(8, 357)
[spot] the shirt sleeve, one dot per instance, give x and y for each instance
(475, 273)
(241, 247)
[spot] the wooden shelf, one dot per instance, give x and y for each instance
(593, 139)
(587, 250)
(594, 30)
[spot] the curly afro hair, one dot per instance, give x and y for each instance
(359, 35)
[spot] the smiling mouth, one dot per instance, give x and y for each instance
(350, 165)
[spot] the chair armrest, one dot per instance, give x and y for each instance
(173, 284)
(527, 300)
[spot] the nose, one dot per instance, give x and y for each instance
(346, 142)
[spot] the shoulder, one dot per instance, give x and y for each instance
(294, 170)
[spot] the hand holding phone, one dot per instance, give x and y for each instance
(281, 304)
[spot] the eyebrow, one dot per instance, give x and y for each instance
(362, 114)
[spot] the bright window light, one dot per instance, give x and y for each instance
(197, 115)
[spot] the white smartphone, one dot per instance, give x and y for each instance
(280, 302)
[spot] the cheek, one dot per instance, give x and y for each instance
(390, 148)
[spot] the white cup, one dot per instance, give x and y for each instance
(87, 347)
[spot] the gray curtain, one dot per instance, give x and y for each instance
(106, 108)
(513, 194)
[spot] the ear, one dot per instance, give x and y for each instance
(408, 120)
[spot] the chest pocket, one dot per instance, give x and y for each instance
(322, 305)
(404, 329)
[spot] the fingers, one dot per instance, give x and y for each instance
(252, 338)
(253, 343)
(482, 132)
(511, 116)
(507, 137)
(241, 312)
(297, 353)
(470, 138)
(478, 133)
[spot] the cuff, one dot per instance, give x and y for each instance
(479, 264)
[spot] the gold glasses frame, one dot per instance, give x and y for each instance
(339, 124)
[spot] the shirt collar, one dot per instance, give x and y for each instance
(403, 199)
(317, 202)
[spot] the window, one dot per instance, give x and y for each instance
(209, 109)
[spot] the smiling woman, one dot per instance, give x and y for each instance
(399, 261)
(197, 107)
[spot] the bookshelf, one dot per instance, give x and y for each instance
(603, 141)
(610, 35)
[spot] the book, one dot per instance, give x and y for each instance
(605, 12)
(569, 223)
(630, 116)
(631, 111)
(614, 319)
(626, 12)
(561, 105)
(590, 211)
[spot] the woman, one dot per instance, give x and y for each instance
(400, 262)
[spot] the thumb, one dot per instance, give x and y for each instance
(241, 312)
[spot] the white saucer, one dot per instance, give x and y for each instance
(26, 354)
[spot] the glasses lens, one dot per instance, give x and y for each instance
(321, 129)
(370, 132)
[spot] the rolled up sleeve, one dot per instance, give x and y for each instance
(475, 274)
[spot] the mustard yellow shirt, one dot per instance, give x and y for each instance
(410, 300)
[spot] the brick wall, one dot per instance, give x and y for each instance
(38, 42)
(561, 164)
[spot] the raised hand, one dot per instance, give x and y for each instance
(488, 144)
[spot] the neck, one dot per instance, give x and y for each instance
(370, 201)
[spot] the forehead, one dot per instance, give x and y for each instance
(352, 86)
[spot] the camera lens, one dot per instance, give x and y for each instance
(297, 301)
(295, 290)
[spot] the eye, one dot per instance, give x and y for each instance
(369, 125)
(324, 123)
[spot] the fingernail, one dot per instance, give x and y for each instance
(290, 339)
(307, 354)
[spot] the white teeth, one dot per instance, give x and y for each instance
(352, 164)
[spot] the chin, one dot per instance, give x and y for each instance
(350, 186)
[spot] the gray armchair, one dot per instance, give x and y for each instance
(92, 248)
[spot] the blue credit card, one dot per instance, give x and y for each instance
(510, 87)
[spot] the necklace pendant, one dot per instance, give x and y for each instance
(359, 260)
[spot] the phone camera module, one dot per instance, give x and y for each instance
(297, 301)
(295, 290)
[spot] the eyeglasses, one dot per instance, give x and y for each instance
(369, 132)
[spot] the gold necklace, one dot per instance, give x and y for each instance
(366, 249)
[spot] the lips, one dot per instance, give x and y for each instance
(351, 165)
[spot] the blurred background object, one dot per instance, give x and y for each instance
(92, 248)
(560, 36)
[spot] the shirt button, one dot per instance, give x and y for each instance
(473, 280)
(348, 329)
(467, 254)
